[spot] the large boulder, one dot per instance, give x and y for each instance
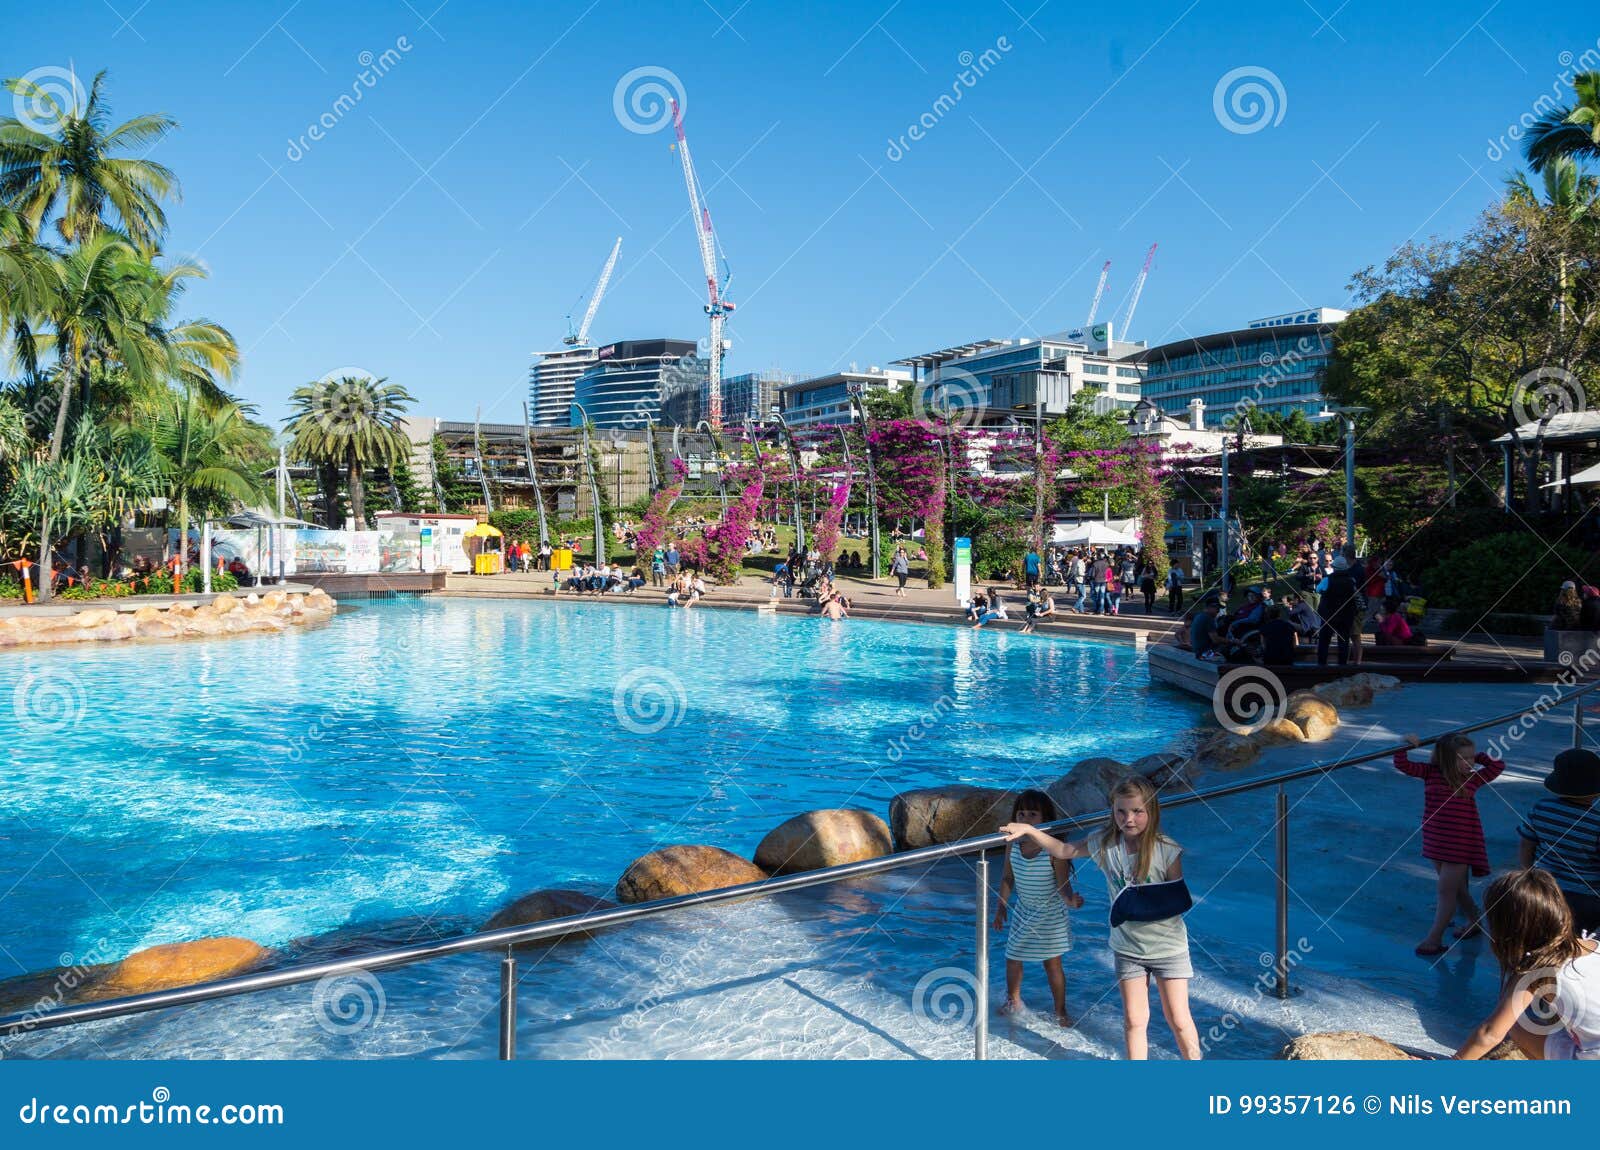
(1164, 768)
(1226, 751)
(1342, 1046)
(542, 905)
(933, 815)
(94, 617)
(1277, 733)
(1354, 690)
(684, 870)
(1316, 717)
(819, 839)
(222, 604)
(179, 964)
(1087, 786)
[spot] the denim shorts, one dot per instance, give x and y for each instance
(1170, 966)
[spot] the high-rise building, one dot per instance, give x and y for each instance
(550, 384)
(825, 399)
(632, 382)
(993, 380)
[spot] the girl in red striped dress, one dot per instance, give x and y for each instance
(1452, 835)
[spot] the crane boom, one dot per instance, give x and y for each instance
(1138, 288)
(594, 298)
(716, 306)
(1100, 290)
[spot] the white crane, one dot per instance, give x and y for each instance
(1099, 290)
(716, 306)
(1138, 287)
(581, 336)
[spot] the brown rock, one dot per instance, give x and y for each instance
(146, 614)
(1226, 751)
(94, 617)
(933, 815)
(684, 870)
(179, 964)
(542, 905)
(819, 839)
(222, 604)
(1164, 768)
(1316, 718)
(157, 628)
(179, 610)
(1087, 786)
(1276, 733)
(1507, 1051)
(1342, 1046)
(1351, 692)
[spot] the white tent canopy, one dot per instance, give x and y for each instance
(1092, 535)
(1581, 478)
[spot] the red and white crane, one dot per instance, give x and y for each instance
(1138, 288)
(716, 306)
(1099, 290)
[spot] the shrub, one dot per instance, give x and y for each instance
(98, 589)
(10, 587)
(1507, 573)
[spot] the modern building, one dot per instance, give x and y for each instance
(752, 396)
(1002, 379)
(551, 381)
(825, 399)
(634, 382)
(1277, 364)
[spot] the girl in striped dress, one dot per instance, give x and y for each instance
(1452, 835)
(1039, 930)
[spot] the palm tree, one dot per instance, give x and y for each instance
(1572, 197)
(201, 455)
(23, 271)
(76, 166)
(1572, 131)
(353, 422)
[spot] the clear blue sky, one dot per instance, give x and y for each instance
(446, 225)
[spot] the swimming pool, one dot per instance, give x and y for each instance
(405, 771)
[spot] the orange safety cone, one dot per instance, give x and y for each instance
(27, 583)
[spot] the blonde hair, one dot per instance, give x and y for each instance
(1447, 760)
(1140, 788)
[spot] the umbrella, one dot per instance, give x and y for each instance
(1092, 535)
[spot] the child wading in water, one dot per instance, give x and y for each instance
(1544, 960)
(1452, 835)
(1039, 929)
(1129, 852)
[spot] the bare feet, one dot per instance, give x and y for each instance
(1011, 1006)
(1064, 1020)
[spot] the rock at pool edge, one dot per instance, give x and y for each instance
(684, 870)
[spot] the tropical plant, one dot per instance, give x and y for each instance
(202, 455)
(353, 422)
(1572, 131)
(69, 164)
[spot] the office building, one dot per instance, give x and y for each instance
(634, 382)
(825, 399)
(550, 384)
(1003, 379)
(1276, 364)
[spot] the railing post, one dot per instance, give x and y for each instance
(980, 969)
(508, 1007)
(1280, 964)
(1577, 723)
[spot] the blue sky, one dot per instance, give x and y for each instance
(444, 227)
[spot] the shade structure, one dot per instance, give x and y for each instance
(1580, 478)
(1092, 535)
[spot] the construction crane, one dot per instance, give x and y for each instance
(581, 336)
(1099, 290)
(716, 306)
(1138, 287)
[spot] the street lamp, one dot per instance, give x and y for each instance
(853, 390)
(1334, 411)
(1242, 428)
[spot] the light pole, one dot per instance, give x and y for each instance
(854, 391)
(1348, 414)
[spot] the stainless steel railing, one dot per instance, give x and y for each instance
(507, 939)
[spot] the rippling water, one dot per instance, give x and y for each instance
(407, 769)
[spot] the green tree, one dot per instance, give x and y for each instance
(1571, 131)
(76, 168)
(202, 456)
(353, 422)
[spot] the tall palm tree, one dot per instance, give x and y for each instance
(74, 167)
(201, 453)
(24, 271)
(1573, 197)
(352, 422)
(1571, 131)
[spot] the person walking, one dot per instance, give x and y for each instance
(1175, 589)
(900, 568)
(1030, 567)
(1147, 588)
(1337, 609)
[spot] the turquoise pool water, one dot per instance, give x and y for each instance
(407, 769)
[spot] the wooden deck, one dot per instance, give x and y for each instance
(1179, 668)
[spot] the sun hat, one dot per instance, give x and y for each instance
(1575, 775)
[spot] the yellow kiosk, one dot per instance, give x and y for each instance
(486, 549)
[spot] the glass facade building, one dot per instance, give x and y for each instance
(634, 382)
(550, 385)
(1277, 367)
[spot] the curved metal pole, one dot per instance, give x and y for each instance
(794, 478)
(716, 447)
(594, 490)
(872, 485)
(650, 454)
(533, 473)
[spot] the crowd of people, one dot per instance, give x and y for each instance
(1539, 918)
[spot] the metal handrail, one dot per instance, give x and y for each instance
(508, 938)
